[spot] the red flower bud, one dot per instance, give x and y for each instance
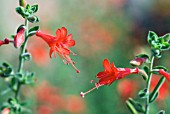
(19, 38)
(6, 41)
(137, 61)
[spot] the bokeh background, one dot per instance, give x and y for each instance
(113, 29)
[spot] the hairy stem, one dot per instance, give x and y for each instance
(21, 60)
(148, 84)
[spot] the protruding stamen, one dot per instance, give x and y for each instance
(82, 94)
(71, 62)
(74, 54)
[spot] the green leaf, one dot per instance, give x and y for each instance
(34, 8)
(143, 56)
(161, 112)
(152, 99)
(5, 64)
(14, 104)
(154, 94)
(33, 19)
(166, 37)
(161, 40)
(20, 10)
(26, 56)
(165, 46)
(152, 36)
(33, 31)
(12, 101)
(28, 7)
(161, 67)
(5, 70)
(12, 36)
(30, 78)
(146, 69)
(13, 84)
(143, 93)
(137, 105)
(157, 53)
(131, 107)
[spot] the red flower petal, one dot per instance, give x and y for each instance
(107, 80)
(1, 42)
(68, 41)
(101, 74)
(106, 65)
(63, 32)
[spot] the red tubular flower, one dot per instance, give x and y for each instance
(60, 44)
(165, 74)
(6, 41)
(19, 38)
(110, 74)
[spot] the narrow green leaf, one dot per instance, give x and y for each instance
(154, 94)
(146, 69)
(28, 7)
(143, 93)
(166, 37)
(34, 8)
(26, 56)
(20, 10)
(165, 46)
(152, 36)
(161, 112)
(137, 105)
(161, 67)
(33, 19)
(33, 31)
(131, 107)
(143, 56)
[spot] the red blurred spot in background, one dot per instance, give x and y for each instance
(127, 88)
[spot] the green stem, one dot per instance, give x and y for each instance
(21, 60)
(148, 85)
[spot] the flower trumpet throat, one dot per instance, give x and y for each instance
(110, 74)
(60, 45)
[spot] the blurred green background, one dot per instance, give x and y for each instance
(113, 29)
